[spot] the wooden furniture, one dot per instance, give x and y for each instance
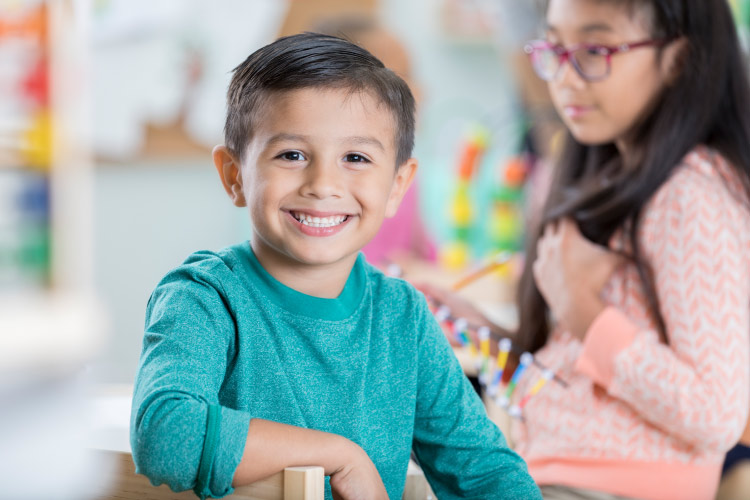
(295, 483)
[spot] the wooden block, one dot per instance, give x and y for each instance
(417, 487)
(306, 483)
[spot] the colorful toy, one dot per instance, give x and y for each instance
(456, 253)
(491, 374)
(506, 219)
(490, 371)
(496, 262)
(25, 227)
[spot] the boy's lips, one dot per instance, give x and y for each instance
(319, 223)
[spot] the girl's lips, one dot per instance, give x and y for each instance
(575, 111)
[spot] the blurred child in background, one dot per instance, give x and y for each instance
(403, 236)
(636, 287)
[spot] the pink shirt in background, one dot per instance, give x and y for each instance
(640, 418)
(403, 234)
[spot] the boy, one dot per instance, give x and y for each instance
(289, 349)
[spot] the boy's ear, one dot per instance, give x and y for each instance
(401, 183)
(230, 173)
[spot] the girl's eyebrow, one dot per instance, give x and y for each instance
(588, 28)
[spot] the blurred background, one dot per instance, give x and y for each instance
(108, 113)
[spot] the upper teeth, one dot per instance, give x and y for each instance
(309, 220)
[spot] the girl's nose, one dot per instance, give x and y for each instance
(322, 180)
(567, 76)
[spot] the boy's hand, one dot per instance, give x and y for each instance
(570, 272)
(270, 447)
(358, 479)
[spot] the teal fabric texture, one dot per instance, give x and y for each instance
(225, 342)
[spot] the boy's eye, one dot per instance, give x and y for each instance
(292, 156)
(356, 158)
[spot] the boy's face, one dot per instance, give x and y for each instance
(318, 177)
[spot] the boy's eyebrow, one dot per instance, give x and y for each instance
(281, 137)
(356, 140)
(365, 141)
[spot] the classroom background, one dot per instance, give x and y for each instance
(108, 113)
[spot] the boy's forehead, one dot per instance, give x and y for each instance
(328, 110)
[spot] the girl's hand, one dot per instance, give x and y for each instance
(358, 479)
(570, 272)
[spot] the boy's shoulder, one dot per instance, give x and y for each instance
(394, 293)
(214, 268)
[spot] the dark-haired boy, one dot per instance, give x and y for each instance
(289, 349)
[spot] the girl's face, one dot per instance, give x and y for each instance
(607, 110)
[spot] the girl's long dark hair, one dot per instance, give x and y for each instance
(708, 103)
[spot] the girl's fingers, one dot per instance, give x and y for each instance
(536, 271)
(549, 230)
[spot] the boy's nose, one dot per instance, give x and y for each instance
(322, 180)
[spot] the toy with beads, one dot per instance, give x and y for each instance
(506, 216)
(490, 371)
(456, 253)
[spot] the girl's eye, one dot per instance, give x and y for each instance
(356, 158)
(292, 156)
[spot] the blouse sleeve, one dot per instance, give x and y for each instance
(696, 388)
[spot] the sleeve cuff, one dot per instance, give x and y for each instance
(609, 334)
(230, 437)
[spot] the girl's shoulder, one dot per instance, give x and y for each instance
(703, 176)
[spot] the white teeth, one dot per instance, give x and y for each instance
(311, 221)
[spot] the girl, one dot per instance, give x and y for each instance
(637, 283)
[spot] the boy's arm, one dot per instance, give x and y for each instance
(462, 453)
(180, 434)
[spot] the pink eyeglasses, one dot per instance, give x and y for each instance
(592, 62)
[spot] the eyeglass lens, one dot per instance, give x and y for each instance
(589, 63)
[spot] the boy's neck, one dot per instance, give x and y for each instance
(323, 281)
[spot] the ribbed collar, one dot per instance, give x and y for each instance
(296, 302)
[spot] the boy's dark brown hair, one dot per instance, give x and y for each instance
(312, 60)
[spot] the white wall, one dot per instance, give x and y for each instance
(148, 219)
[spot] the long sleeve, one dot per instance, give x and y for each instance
(463, 454)
(696, 388)
(180, 434)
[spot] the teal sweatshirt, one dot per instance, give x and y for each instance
(225, 342)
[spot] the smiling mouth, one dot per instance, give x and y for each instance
(312, 221)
